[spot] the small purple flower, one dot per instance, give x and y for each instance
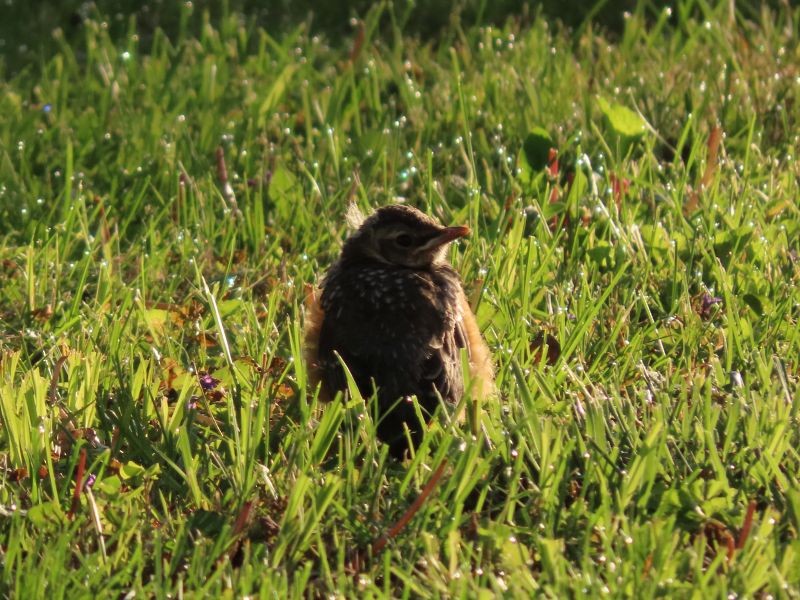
(47, 107)
(207, 382)
(706, 303)
(90, 481)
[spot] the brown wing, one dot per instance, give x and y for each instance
(442, 370)
(480, 359)
(313, 326)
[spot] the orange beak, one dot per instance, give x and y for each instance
(449, 234)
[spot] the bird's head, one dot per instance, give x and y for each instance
(403, 236)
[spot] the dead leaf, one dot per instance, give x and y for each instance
(544, 342)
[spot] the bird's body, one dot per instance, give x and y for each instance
(394, 310)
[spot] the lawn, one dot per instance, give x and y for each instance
(169, 190)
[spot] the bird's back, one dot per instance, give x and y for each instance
(397, 328)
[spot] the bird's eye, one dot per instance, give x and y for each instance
(403, 240)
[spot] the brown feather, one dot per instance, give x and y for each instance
(480, 359)
(314, 316)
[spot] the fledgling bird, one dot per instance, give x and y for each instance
(394, 309)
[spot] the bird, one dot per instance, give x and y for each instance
(394, 310)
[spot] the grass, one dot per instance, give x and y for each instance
(638, 288)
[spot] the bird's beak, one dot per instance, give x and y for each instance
(447, 235)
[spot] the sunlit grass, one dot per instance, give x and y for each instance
(151, 308)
